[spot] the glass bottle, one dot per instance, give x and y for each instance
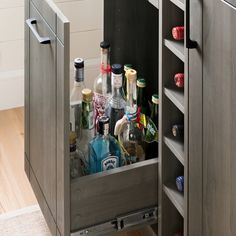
(142, 102)
(87, 128)
(104, 150)
(126, 68)
(76, 96)
(129, 130)
(116, 105)
(102, 84)
(151, 136)
(75, 167)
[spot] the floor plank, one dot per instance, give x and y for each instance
(15, 191)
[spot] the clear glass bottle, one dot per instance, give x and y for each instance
(142, 102)
(115, 109)
(129, 129)
(87, 130)
(76, 96)
(102, 84)
(151, 136)
(104, 150)
(126, 68)
(75, 164)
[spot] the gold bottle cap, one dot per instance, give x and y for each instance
(72, 137)
(155, 99)
(141, 83)
(131, 75)
(87, 95)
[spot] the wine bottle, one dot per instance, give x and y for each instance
(178, 32)
(179, 80)
(178, 130)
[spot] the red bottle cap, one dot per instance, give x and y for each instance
(178, 32)
(179, 80)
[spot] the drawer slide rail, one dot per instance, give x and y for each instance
(144, 217)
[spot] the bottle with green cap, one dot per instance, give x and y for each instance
(126, 68)
(151, 136)
(142, 102)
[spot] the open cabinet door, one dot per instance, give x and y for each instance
(46, 111)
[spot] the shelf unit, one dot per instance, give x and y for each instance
(173, 110)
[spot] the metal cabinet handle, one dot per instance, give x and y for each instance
(42, 40)
(189, 43)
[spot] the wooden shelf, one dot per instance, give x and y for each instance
(176, 146)
(176, 197)
(177, 47)
(176, 96)
(179, 3)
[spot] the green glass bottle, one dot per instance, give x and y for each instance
(142, 102)
(151, 136)
(126, 68)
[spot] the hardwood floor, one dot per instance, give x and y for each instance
(15, 190)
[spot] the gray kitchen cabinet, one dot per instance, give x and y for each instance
(108, 202)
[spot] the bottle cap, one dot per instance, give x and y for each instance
(105, 44)
(117, 69)
(155, 99)
(127, 67)
(72, 138)
(79, 63)
(103, 125)
(131, 75)
(87, 95)
(141, 83)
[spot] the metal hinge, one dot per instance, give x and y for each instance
(143, 217)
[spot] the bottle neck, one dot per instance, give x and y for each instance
(105, 61)
(131, 106)
(117, 89)
(79, 74)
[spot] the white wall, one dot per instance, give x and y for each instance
(86, 18)
(11, 53)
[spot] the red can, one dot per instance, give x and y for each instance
(179, 80)
(178, 32)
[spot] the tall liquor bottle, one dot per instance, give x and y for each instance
(126, 68)
(151, 136)
(102, 84)
(104, 150)
(129, 130)
(76, 96)
(142, 102)
(87, 128)
(116, 105)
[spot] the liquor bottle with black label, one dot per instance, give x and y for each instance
(115, 109)
(104, 150)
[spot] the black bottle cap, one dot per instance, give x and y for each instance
(117, 69)
(103, 125)
(79, 63)
(105, 44)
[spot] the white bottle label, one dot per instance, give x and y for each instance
(109, 163)
(99, 104)
(117, 80)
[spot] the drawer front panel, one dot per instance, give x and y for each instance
(103, 197)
